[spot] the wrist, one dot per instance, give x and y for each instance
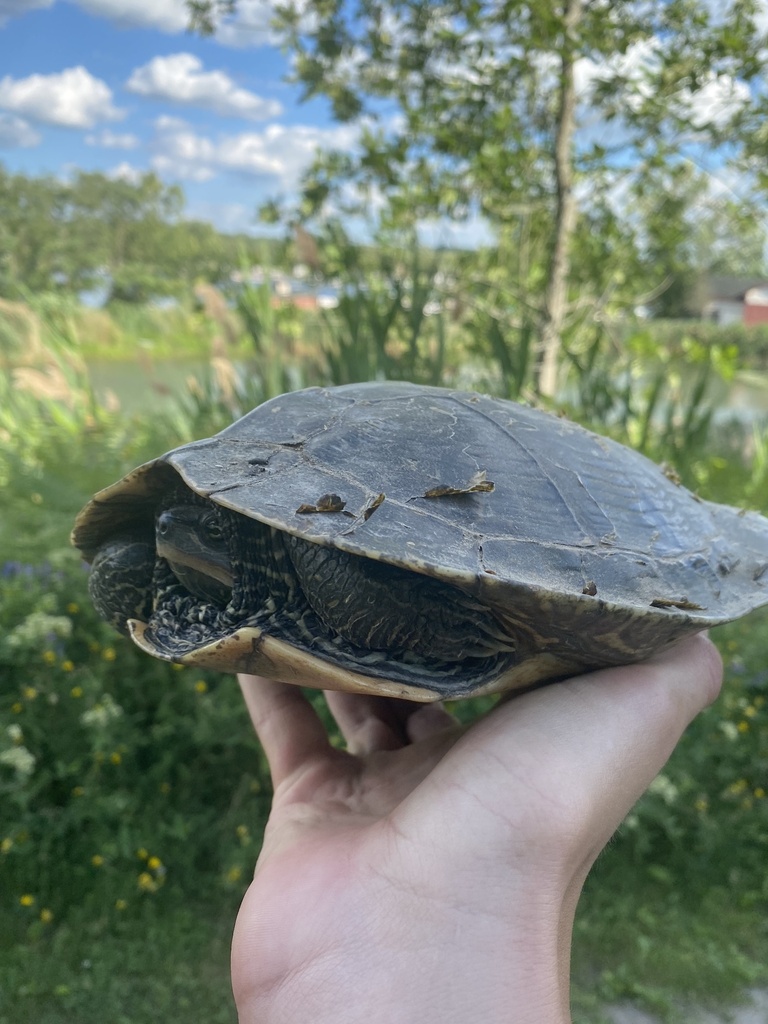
(419, 959)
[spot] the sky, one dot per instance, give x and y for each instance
(121, 86)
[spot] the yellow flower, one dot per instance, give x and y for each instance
(146, 882)
(17, 708)
(67, 665)
(97, 860)
(178, 667)
(737, 787)
(30, 692)
(759, 793)
(142, 854)
(46, 915)
(154, 863)
(94, 646)
(78, 791)
(26, 900)
(6, 845)
(743, 726)
(76, 691)
(121, 904)
(242, 832)
(73, 608)
(49, 657)
(201, 686)
(233, 875)
(115, 757)
(750, 711)
(108, 654)
(702, 804)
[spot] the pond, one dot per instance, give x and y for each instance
(146, 384)
(745, 399)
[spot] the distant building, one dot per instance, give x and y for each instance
(736, 300)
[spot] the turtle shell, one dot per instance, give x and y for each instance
(593, 554)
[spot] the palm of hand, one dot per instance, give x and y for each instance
(321, 873)
(375, 863)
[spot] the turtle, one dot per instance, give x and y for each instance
(413, 541)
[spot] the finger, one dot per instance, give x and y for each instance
(370, 723)
(564, 764)
(595, 743)
(286, 723)
(427, 720)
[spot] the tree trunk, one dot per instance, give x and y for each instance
(556, 290)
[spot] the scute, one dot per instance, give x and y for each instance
(568, 506)
(578, 535)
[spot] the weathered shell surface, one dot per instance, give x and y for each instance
(577, 534)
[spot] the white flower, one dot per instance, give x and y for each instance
(37, 628)
(103, 713)
(729, 730)
(20, 759)
(665, 788)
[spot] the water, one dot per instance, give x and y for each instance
(745, 398)
(146, 384)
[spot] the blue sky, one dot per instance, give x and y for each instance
(120, 86)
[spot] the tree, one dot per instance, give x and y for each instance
(57, 235)
(513, 109)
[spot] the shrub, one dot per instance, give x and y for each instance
(120, 776)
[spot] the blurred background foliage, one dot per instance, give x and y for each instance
(134, 793)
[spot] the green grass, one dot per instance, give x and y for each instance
(639, 942)
(170, 962)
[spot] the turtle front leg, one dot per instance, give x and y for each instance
(382, 607)
(120, 583)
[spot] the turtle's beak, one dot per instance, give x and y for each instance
(198, 556)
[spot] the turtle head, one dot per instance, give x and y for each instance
(193, 539)
(120, 582)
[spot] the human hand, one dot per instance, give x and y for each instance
(430, 873)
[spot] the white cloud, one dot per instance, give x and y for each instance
(249, 27)
(126, 172)
(113, 140)
(165, 15)
(72, 98)
(13, 8)
(16, 133)
(636, 66)
(716, 102)
(180, 78)
(280, 152)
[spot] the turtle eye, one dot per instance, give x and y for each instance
(212, 528)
